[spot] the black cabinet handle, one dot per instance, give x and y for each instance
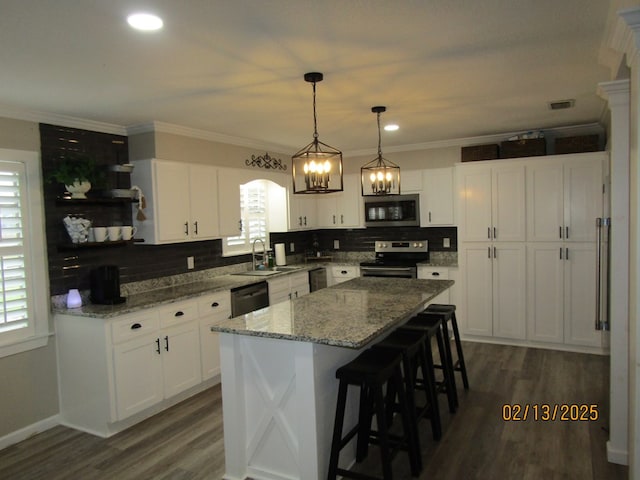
(435, 274)
(343, 272)
(195, 228)
(186, 228)
(166, 343)
(136, 326)
(215, 304)
(179, 313)
(158, 345)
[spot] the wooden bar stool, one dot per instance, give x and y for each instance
(371, 371)
(432, 326)
(449, 312)
(411, 344)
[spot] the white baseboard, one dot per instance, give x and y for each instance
(614, 455)
(26, 432)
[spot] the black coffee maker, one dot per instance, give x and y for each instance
(105, 285)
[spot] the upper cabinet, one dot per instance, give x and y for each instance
(492, 203)
(302, 212)
(179, 197)
(436, 199)
(342, 210)
(229, 201)
(564, 197)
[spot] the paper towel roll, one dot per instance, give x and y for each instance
(281, 256)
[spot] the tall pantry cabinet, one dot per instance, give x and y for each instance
(528, 248)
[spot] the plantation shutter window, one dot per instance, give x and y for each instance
(253, 211)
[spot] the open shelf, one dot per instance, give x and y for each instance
(107, 243)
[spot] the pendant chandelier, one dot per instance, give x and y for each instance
(316, 168)
(380, 176)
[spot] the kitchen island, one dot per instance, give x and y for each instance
(278, 372)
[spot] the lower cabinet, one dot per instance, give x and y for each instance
(561, 285)
(212, 309)
(436, 273)
(342, 273)
(494, 290)
(288, 287)
(114, 372)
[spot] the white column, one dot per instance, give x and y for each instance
(627, 40)
(617, 95)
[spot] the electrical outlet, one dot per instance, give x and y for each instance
(190, 263)
(336, 244)
(446, 242)
(292, 247)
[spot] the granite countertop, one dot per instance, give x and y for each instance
(350, 314)
(161, 296)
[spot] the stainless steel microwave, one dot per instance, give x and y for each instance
(392, 211)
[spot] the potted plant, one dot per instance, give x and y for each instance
(77, 173)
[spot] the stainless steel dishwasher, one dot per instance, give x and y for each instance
(317, 279)
(249, 298)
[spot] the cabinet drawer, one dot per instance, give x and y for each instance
(217, 304)
(433, 273)
(179, 312)
(134, 326)
(345, 271)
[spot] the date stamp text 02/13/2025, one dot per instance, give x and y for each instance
(545, 412)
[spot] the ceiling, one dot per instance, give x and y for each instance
(445, 69)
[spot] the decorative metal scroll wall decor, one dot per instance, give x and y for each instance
(265, 161)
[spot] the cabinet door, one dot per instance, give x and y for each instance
(172, 200)
(583, 199)
(508, 200)
(509, 290)
(349, 204)
(579, 295)
(212, 309)
(438, 193)
(435, 273)
(477, 289)
(545, 292)
(137, 370)
(203, 190)
(302, 212)
(545, 202)
(475, 204)
(299, 284)
(327, 210)
(230, 220)
(180, 358)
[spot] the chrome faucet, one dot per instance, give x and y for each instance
(253, 251)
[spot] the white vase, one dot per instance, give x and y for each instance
(78, 189)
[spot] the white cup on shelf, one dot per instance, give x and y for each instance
(114, 233)
(99, 234)
(128, 232)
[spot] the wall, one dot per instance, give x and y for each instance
(414, 160)
(30, 391)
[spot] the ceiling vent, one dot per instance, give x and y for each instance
(562, 104)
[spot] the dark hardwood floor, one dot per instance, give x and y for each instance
(186, 442)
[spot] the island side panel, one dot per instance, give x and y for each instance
(279, 400)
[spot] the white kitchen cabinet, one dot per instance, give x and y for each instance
(494, 289)
(230, 217)
(212, 309)
(561, 305)
(564, 197)
(181, 201)
(436, 273)
(411, 181)
(288, 287)
(492, 203)
(341, 273)
(302, 212)
(114, 372)
(341, 210)
(436, 197)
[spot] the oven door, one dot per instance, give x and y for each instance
(396, 272)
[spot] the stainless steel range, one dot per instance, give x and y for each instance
(396, 259)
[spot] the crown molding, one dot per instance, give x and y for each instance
(626, 36)
(61, 120)
(566, 131)
(163, 127)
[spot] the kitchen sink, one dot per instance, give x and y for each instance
(258, 273)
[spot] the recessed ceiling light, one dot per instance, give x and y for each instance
(146, 22)
(392, 127)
